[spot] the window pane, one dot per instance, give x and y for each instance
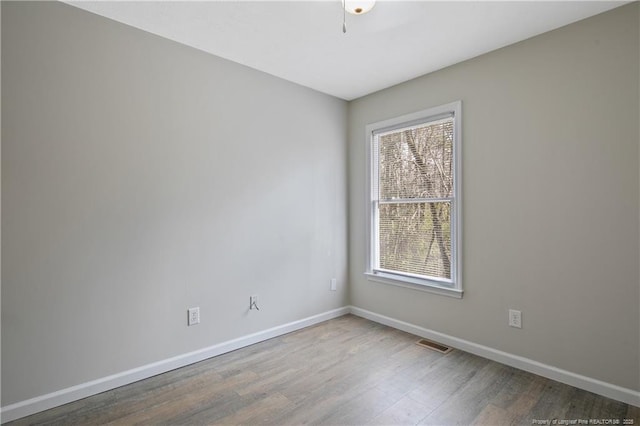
(416, 238)
(417, 162)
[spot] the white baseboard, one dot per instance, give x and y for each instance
(628, 396)
(74, 393)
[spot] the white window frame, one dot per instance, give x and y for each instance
(447, 287)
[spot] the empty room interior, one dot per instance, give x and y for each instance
(238, 212)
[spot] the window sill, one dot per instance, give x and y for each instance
(414, 285)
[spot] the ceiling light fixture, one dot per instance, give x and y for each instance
(358, 7)
(355, 7)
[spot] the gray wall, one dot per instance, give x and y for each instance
(141, 177)
(550, 190)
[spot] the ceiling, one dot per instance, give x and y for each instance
(303, 42)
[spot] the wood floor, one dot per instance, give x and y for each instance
(347, 371)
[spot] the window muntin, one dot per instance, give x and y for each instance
(415, 210)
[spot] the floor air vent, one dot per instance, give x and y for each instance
(434, 346)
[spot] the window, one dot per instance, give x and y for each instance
(414, 205)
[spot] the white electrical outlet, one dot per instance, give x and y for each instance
(334, 284)
(515, 318)
(193, 316)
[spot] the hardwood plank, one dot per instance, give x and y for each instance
(360, 409)
(194, 398)
(492, 415)
(407, 411)
(261, 411)
(470, 399)
(531, 386)
(552, 401)
(446, 378)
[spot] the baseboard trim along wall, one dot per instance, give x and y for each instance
(628, 396)
(74, 393)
